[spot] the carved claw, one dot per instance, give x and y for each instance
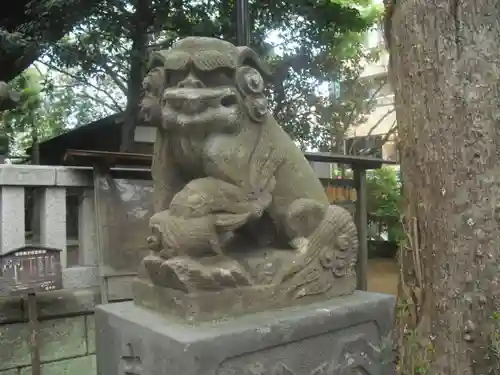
(300, 244)
(154, 242)
(216, 246)
(167, 253)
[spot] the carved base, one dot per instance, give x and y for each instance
(340, 336)
(208, 305)
(245, 278)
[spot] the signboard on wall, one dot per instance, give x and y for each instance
(30, 269)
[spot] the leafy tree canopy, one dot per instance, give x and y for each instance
(309, 44)
(28, 26)
(47, 106)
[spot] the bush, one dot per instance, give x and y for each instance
(384, 200)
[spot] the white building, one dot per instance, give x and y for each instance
(382, 119)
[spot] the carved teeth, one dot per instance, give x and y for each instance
(191, 106)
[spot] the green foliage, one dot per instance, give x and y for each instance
(384, 201)
(27, 27)
(47, 107)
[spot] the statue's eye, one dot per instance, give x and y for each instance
(217, 77)
(173, 77)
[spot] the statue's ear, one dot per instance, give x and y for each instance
(156, 59)
(247, 56)
(250, 77)
(152, 90)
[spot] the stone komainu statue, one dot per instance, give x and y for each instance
(242, 222)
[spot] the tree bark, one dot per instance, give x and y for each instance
(138, 58)
(445, 70)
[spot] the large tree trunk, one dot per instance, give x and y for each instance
(445, 69)
(138, 60)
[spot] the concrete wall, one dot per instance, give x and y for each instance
(66, 334)
(66, 316)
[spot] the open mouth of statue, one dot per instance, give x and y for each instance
(200, 110)
(191, 101)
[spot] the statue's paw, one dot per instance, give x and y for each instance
(167, 253)
(171, 278)
(188, 275)
(154, 242)
(151, 264)
(300, 244)
(304, 216)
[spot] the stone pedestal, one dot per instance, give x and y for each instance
(341, 336)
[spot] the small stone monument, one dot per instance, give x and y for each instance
(251, 270)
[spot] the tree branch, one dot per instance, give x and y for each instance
(101, 102)
(370, 100)
(53, 67)
(101, 62)
(279, 76)
(115, 78)
(384, 140)
(391, 131)
(374, 127)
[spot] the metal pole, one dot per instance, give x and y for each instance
(242, 23)
(99, 173)
(362, 223)
(35, 334)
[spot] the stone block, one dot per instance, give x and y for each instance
(63, 338)
(27, 175)
(120, 287)
(80, 277)
(65, 176)
(74, 366)
(90, 323)
(50, 305)
(13, 371)
(11, 310)
(14, 344)
(12, 225)
(59, 338)
(344, 335)
(66, 302)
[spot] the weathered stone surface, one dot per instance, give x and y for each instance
(74, 366)
(124, 208)
(90, 323)
(81, 277)
(229, 183)
(63, 338)
(59, 338)
(14, 344)
(42, 175)
(13, 371)
(11, 310)
(50, 304)
(341, 335)
(207, 305)
(67, 302)
(120, 288)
